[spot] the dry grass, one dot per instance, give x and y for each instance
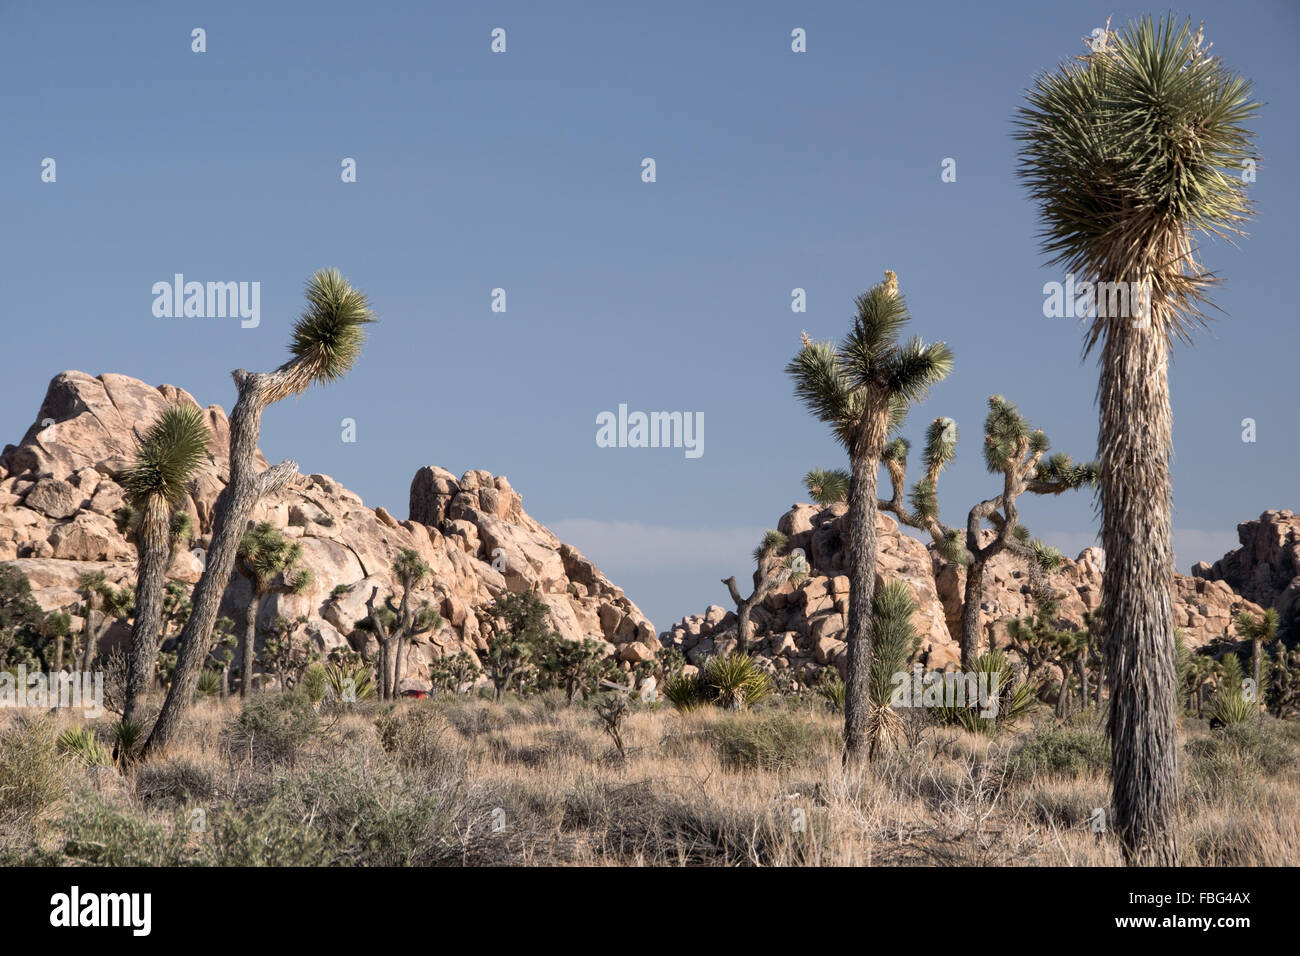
(473, 782)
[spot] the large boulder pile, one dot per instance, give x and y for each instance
(801, 628)
(59, 492)
(1266, 568)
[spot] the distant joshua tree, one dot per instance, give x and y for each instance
(270, 563)
(774, 569)
(166, 459)
(327, 340)
(395, 623)
(1130, 152)
(863, 389)
(1012, 449)
(827, 487)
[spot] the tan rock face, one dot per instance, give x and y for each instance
(1266, 568)
(58, 493)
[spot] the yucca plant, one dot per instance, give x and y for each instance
(167, 456)
(827, 487)
(127, 736)
(349, 683)
(1131, 152)
(1230, 705)
(81, 743)
(685, 692)
(1014, 698)
(862, 389)
(326, 342)
(736, 680)
(209, 684)
(831, 689)
(315, 682)
(896, 641)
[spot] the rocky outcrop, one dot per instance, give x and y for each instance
(1266, 568)
(801, 628)
(59, 494)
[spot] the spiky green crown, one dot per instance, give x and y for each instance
(167, 456)
(410, 568)
(331, 330)
(772, 542)
(1132, 147)
(826, 487)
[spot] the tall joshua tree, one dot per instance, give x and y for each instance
(1014, 450)
(270, 563)
(166, 459)
(327, 340)
(862, 389)
(774, 569)
(1131, 152)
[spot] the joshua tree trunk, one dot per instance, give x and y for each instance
(865, 461)
(972, 597)
(1135, 444)
(154, 544)
(397, 665)
(248, 646)
(744, 607)
(1081, 663)
(1256, 649)
(234, 505)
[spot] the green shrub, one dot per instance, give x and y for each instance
(209, 684)
(421, 738)
(1061, 752)
(274, 727)
(775, 740)
(173, 784)
(315, 682)
(32, 777)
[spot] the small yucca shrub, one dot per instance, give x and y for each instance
(1229, 705)
(315, 682)
(685, 692)
(832, 690)
(81, 743)
(349, 683)
(209, 684)
(736, 680)
(127, 735)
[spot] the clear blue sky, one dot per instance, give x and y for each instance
(523, 171)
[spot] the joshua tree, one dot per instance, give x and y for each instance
(1130, 152)
(1259, 631)
(395, 623)
(109, 603)
(773, 571)
(521, 633)
(827, 487)
(165, 461)
(327, 340)
(1012, 449)
(56, 628)
(862, 390)
(270, 563)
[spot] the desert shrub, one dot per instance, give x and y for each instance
(172, 784)
(209, 684)
(774, 740)
(127, 737)
(98, 833)
(472, 716)
(32, 777)
(832, 689)
(1060, 752)
(1268, 747)
(1229, 704)
(274, 727)
(421, 738)
(340, 813)
(1015, 697)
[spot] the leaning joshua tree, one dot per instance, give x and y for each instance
(862, 389)
(1012, 449)
(327, 340)
(165, 461)
(774, 569)
(1131, 152)
(269, 562)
